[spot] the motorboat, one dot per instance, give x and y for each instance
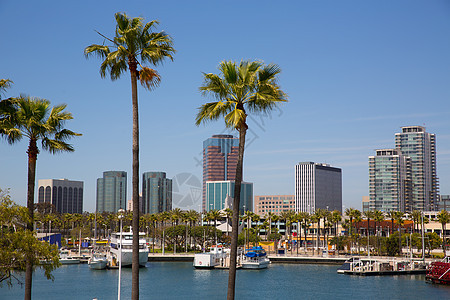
(124, 241)
(98, 261)
(255, 258)
(216, 257)
(66, 259)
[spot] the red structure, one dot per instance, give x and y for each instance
(439, 272)
(220, 156)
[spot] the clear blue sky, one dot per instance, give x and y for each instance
(355, 72)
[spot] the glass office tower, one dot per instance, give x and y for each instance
(156, 193)
(112, 191)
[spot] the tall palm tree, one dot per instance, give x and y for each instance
(133, 45)
(36, 120)
(306, 219)
(239, 89)
(443, 218)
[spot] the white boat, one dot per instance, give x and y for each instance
(65, 259)
(97, 261)
(255, 258)
(127, 249)
(216, 257)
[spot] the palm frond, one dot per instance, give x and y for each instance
(100, 51)
(149, 78)
(212, 111)
(235, 118)
(4, 85)
(55, 146)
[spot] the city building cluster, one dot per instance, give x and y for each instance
(402, 178)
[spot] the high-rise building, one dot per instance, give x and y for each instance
(420, 146)
(66, 195)
(112, 191)
(389, 181)
(317, 185)
(220, 156)
(156, 192)
(365, 203)
(275, 204)
(217, 193)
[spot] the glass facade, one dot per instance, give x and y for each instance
(389, 181)
(220, 155)
(112, 191)
(156, 192)
(420, 146)
(217, 192)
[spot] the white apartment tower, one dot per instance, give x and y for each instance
(389, 181)
(317, 185)
(420, 146)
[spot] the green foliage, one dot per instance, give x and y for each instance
(17, 243)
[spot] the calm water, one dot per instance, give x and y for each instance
(169, 280)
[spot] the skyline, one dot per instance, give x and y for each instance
(354, 73)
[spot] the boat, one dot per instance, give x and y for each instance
(65, 259)
(439, 271)
(255, 258)
(98, 261)
(366, 266)
(216, 257)
(127, 249)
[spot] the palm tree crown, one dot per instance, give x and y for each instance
(248, 86)
(134, 44)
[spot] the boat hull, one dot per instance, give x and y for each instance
(67, 261)
(127, 258)
(255, 265)
(438, 272)
(98, 264)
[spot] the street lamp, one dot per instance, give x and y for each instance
(120, 216)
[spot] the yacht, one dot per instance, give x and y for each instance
(65, 259)
(127, 249)
(97, 261)
(255, 258)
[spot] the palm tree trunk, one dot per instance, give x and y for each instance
(135, 181)
(235, 220)
(32, 157)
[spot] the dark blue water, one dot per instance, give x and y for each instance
(171, 280)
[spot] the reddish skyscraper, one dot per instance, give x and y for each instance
(220, 156)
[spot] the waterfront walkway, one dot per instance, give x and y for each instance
(301, 259)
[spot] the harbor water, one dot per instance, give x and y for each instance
(179, 280)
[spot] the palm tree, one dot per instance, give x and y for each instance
(391, 215)
(34, 119)
(415, 216)
(239, 89)
(378, 217)
(443, 218)
(4, 85)
(398, 217)
(368, 214)
(133, 44)
(306, 219)
(215, 215)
